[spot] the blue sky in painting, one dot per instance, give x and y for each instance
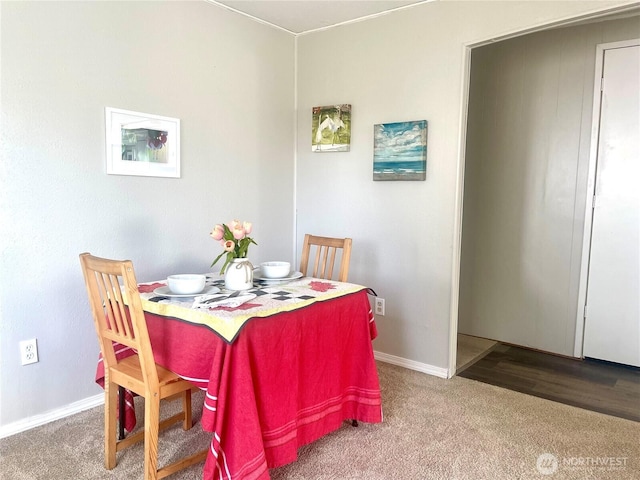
(399, 142)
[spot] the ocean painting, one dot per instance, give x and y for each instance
(400, 151)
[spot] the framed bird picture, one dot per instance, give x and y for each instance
(331, 128)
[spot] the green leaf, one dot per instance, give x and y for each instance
(230, 257)
(218, 258)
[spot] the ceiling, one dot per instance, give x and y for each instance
(300, 16)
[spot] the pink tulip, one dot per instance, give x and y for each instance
(248, 226)
(229, 245)
(238, 232)
(233, 224)
(218, 232)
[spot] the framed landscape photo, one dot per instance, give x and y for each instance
(142, 144)
(400, 151)
(331, 128)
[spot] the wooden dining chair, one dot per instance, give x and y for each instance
(119, 318)
(324, 259)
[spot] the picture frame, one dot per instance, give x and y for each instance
(141, 144)
(331, 128)
(400, 151)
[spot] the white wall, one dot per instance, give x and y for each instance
(528, 141)
(408, 65)
(231, 82)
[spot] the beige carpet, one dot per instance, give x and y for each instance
(471, 349)
(433, 429)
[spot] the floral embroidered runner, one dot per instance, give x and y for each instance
(270, 300)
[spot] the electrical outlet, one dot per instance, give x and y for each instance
(28, 351)
(379, 306)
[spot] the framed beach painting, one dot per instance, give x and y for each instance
(331, 128)
(142, 144)
(400, 151)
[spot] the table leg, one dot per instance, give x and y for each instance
(120, 412)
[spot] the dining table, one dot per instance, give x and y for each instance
(286, 364)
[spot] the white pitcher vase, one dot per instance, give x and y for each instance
(239, 275)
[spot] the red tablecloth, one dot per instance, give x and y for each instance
(285, 381)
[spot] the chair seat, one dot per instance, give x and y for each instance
(129, 374)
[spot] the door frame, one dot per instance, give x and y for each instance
(591, 184)
(596, 15)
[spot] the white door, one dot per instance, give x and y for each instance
(612, 314)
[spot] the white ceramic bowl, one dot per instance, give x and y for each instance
(275, 269)
(186, 284)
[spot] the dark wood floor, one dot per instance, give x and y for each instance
(594, 385)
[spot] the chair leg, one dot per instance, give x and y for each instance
(187, 423)
(110, 402)
(151, 427)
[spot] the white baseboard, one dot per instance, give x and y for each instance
(87, 403)
(37, 420)
(411, 364)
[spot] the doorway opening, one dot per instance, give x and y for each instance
(543, 300)
(525, 185)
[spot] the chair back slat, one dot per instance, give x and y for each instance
(117, 311)
(114, 307)
(326, 252)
